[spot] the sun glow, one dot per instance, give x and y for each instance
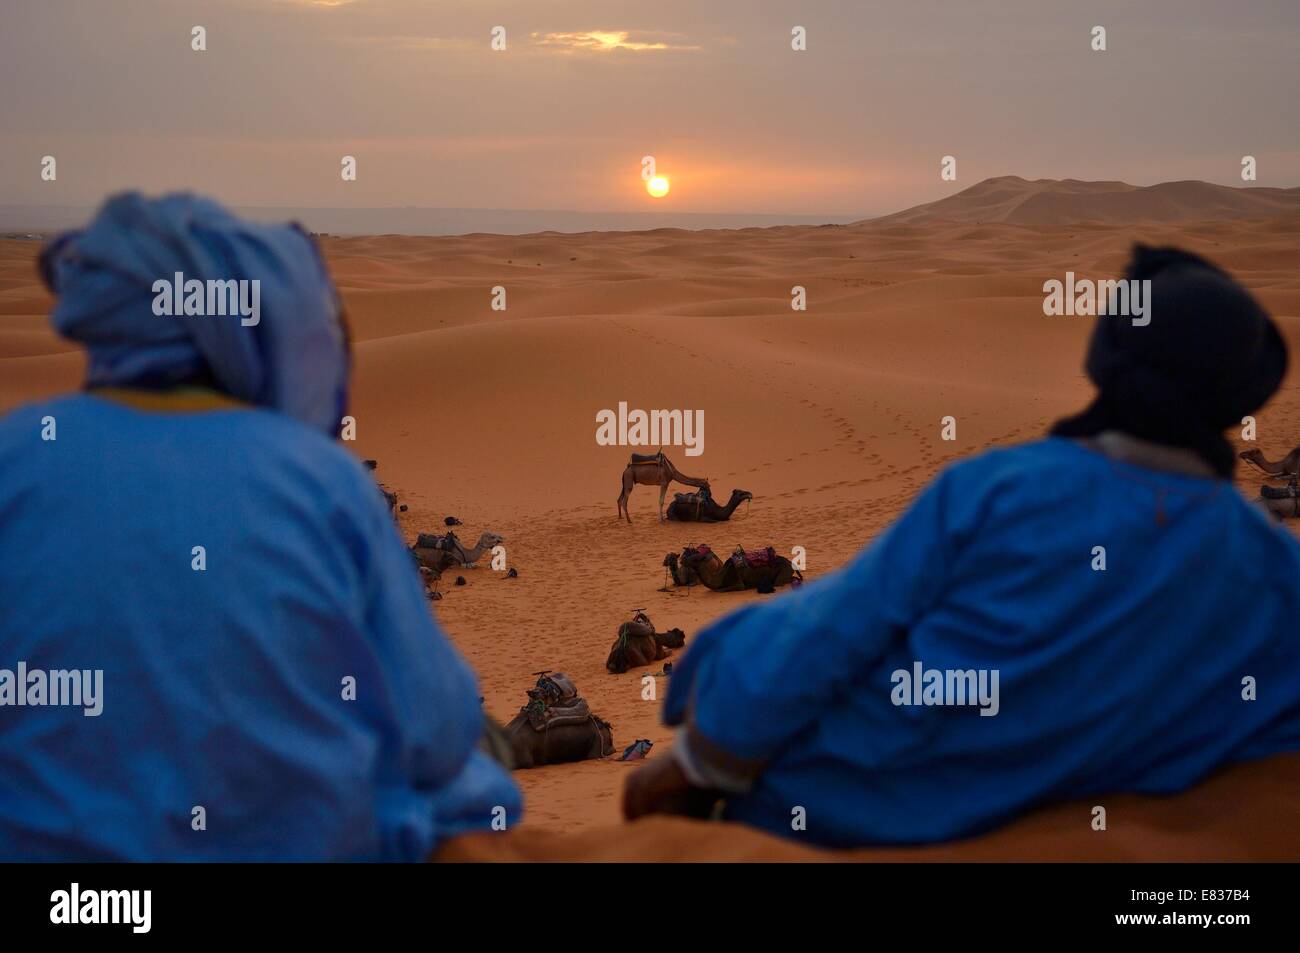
(658, 186)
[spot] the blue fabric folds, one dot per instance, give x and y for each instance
(294, 359)
(1130, 676)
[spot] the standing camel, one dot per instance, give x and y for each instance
(650, 469)
(1287, 466)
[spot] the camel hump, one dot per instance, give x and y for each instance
(639, 627)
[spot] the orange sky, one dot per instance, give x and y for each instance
(856, 124)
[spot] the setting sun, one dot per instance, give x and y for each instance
(658, 186)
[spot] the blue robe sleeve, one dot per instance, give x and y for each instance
(758, 677)
(425, 701)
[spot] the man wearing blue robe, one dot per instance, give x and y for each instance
(1099, 611)
(272, 685)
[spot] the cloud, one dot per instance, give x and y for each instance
(589, 41)
(319, 3)
(607, 41)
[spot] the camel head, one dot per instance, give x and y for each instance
(671, 560)
(740, 496)
(1256, 458)
(673, 638)
(489, 539)
(693, 557)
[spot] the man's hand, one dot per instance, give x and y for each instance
(661, 787)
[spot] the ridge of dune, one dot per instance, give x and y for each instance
(1009, 199)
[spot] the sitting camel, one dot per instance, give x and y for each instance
(1287, 466)
(702, 565)
(1283, 502)
(432, 561)
(556, 726)
(682, 575)
(429, 580)
(1280, 501)
(703, 508)
(442, 552)
(762, 570)
(652, 469)
(639, 644)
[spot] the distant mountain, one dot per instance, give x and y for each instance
(437, 221)
(1017, 201)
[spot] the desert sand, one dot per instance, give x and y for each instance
(830, 417)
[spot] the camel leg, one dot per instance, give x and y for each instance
(622, 497)
(663, 491)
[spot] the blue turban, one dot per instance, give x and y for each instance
(294, 359)
(1210, 355)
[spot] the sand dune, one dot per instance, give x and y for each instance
(1236, 815)
(831, 417)
(1012, 200)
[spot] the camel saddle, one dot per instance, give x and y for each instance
(702, 495)
(555, 701)
(644, 458)
(556, 687)
(434, 541)
(754, 558)
(1279, 492)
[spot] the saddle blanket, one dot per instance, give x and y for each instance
(754, 558)
(542, 716)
